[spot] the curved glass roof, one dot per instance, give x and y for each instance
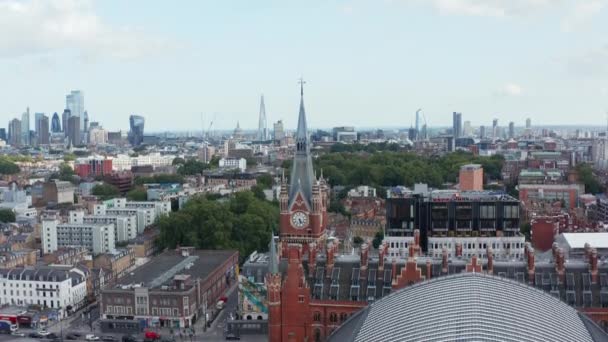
(470, 307)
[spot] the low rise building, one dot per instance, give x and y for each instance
(66, 256)
(119, 263)
(233, 164)
(175, 289)
(96, 238)
(60, 288)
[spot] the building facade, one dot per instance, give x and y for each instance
(97, 238)
(60, 288)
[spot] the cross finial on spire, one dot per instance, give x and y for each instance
(301, 81)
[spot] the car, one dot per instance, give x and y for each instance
(17, 333)
(43, 333)
(128, 338)
(91, 337)
(109, 338)
(232, 337)
(71, 337)
(51, 336)
(34, 335)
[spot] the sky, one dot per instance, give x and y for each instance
(367, 63)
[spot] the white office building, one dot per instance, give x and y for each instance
(97, 238)
(233, 164)
(125, 162)
(63, 288)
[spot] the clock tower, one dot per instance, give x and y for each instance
(304, 201)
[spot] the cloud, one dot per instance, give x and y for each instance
(593, 63)
(583, 11)
(491, 8)
(510, 89)
(45, 26)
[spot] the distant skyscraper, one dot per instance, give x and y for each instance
(467, 130)
(75, 103)
(418, 124)
(262, 123)
(42, 129)
(86, 121)
(482, 132)
(528, 123)
(456, 124)
(25, 127)
(495, 128)
(55, 123)
(14, 132)
(3, 134)
(136, 131)
(74, 130)
(279, 132)
(64, 121)
(511, 130)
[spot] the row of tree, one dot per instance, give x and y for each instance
(244, 222)
(388, 168)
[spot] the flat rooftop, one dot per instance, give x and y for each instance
(162, 268)
(578, 240)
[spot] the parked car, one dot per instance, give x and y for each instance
(34, 335)
(91, 337)
(232, 337)
(128, 338)
(71, 337)
(151, 335)
(51, 336)
(109, 338)
(17, 333)
(43, 333)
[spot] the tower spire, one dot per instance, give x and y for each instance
(301, 173)
(262, 123)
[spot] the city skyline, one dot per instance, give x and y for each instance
(368, 64)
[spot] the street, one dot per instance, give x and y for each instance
(79, 323)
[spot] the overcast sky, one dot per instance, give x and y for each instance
(366, 62)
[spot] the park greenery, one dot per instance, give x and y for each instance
(587, 177)
(8, 166)
(137, 194)
(7, 215)
(191, 167)
(387, 168)
(242, 222)
(105, 191)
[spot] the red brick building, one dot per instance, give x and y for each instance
(93, 166)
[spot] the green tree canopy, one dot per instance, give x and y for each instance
(7, 167)
(242, 222)
(105, 191)
(587, 177)
(7, 215)
(192, 167)
(137, 194)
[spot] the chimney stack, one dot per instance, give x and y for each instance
(329, 265)
(444, 261)
(458, 249)
(531, 264)
(593, 265)
(429, 269)
(364, 256)
(490, 267)
(394, 271)
(381, 256)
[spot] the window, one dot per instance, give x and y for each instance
(333, 317)
(316, 317)
(300, 299)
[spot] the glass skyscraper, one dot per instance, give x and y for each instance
(74, 101)
(136, 131)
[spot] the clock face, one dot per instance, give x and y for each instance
(299, 220)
